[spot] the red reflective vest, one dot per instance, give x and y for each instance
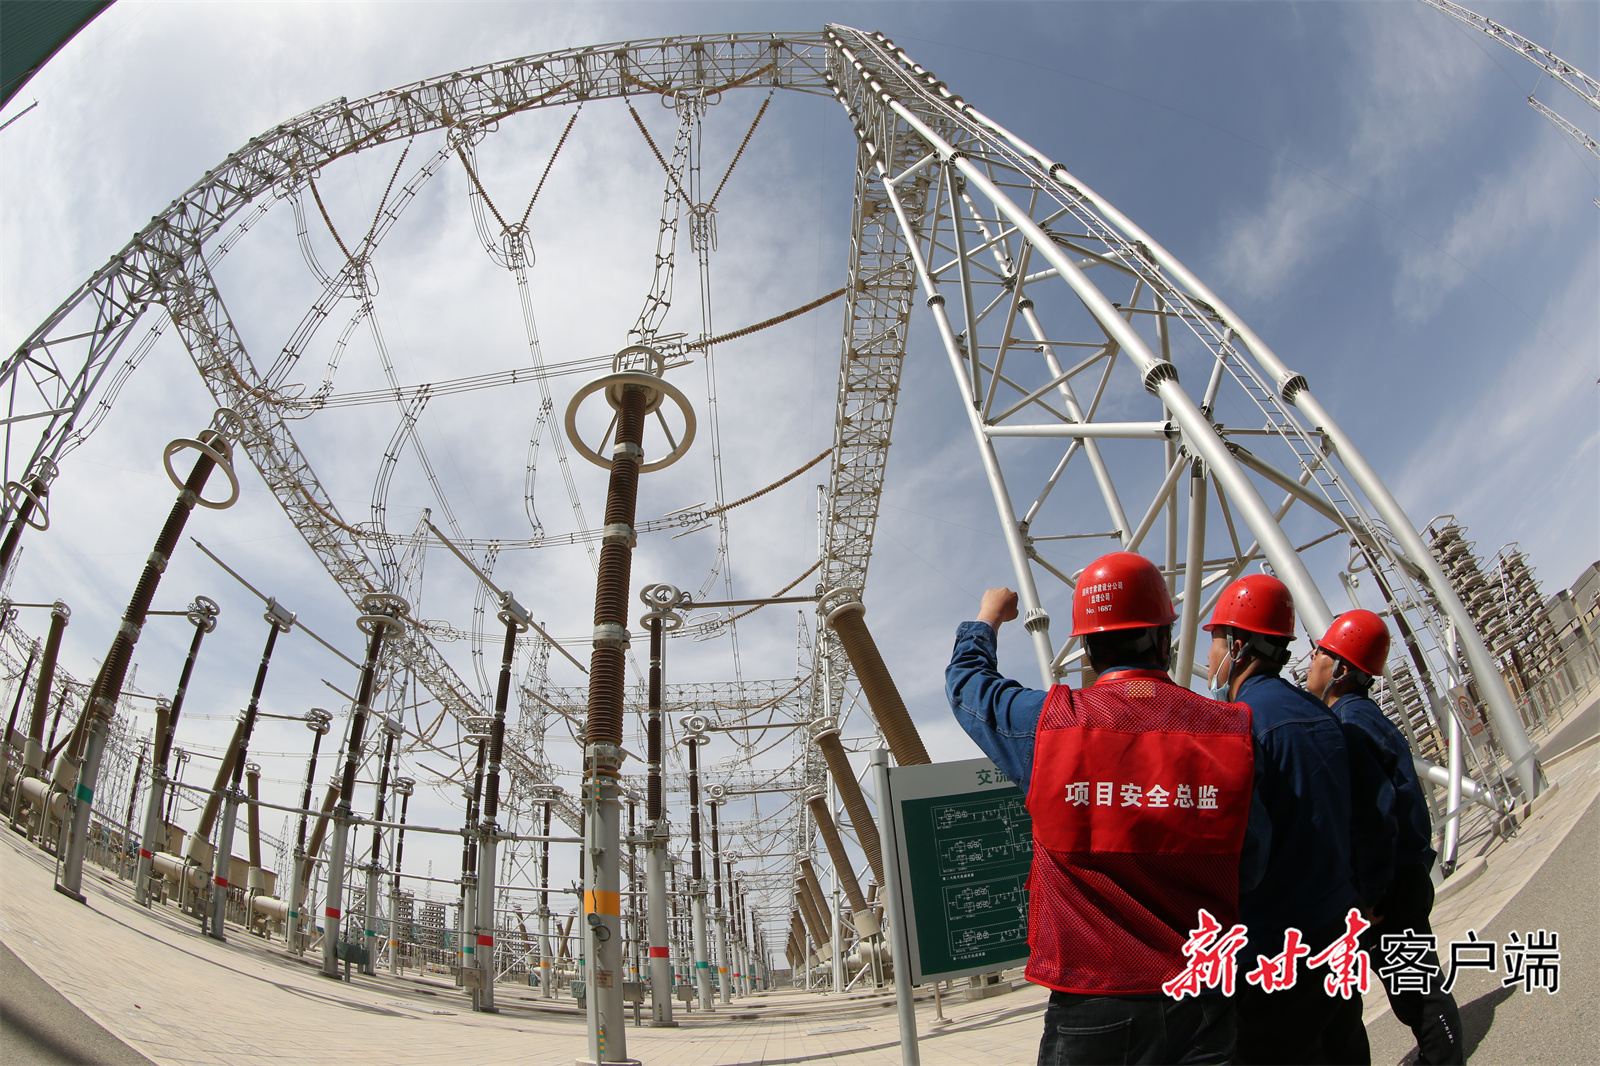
(1140, 797)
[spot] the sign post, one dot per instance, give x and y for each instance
(895, 903)
(960, 906)
(968, 827)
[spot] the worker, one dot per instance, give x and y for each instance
(1343, 665)
(1304, 780)
(1143, 816)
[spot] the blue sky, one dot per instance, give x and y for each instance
(1364, 183)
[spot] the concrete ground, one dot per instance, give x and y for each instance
(37, 1025)
(111, 982)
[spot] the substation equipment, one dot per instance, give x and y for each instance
(1049, 305)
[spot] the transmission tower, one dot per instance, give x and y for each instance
(1547, 61)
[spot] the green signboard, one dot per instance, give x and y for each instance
(963, 845)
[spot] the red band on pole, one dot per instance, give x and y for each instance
(143, 854)
(485, 941)
(332, 912)
(222, 882)
(658, 953)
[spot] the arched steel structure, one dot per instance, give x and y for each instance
(1054, 310)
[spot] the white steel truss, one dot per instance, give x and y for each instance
(1587, 88)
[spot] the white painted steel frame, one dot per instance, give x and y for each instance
(902, 111)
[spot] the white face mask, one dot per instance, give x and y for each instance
(1219, 685)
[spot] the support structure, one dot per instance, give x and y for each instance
(719, 916)
(202, 614)
(279, 620)
(369, 898)
(634, 390)
(33, 747)
(318, 721)
(403, 787)
(216, 450)
(488, 829)
(657, 829)
(380, 617)
(1049, 304)
(694, 739)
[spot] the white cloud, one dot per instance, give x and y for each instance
(1520, 205)
(1264, 250)
(1522, 462)
(1408, 86)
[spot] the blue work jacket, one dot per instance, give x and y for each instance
(1002, 715)
(1317, 868)
(1403, 801)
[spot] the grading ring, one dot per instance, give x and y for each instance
(379, 611)
(613, 384)
(14, 487)
(221, 458)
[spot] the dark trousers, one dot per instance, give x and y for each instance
(1097, 1030)
(1302, 1024)
(1431, 1016)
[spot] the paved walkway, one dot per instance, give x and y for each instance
(1544, 877)
(153, 983)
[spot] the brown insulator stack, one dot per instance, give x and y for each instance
(841, 859)
(797, 933)
(252, 775)
(34, 493)
(816, 925)
(318, 831)
(606, 675)
(826, 734)
(882, 696)
(114, 668)
(653, 805)
(208, 817)
(808, 874)
(47, 671)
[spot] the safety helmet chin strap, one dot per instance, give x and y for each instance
(1343, 671)
(1132, 649)
(1258, 645)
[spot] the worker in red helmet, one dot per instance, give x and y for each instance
(1311, 879)
(1144, 814)
(1343, 666)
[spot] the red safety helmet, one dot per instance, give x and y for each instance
(1257, 603)
(1359, 638)
(1122, 590)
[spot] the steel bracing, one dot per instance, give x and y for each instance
(1052, 307)
(1587, 88)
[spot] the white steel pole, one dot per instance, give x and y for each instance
(484, 925)
(1193, 577)
(905, 1004)
(719, 915)
(1452, 824)
(697, 883)
(222, 865)
(702, 967)
(333, 895)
